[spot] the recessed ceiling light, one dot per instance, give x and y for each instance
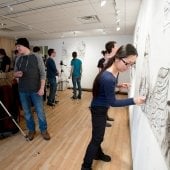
(103, 2)
(117, 28)
(10, 8)
(2, 24)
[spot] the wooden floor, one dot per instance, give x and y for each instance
(69, 125)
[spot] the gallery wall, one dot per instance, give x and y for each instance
(89, 51)
(150, 123)
(8, 45)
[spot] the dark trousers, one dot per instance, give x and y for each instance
(98, 130)
(53, 88)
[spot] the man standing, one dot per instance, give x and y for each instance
(75, 73)
(30, 70)
(52, 72)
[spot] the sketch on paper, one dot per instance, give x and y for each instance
(158, 112)
(81, 49)
(166, 22)
(156, 107)
(132, 70)
(165, 145)
(64, 51)
(144, 85)
(136, 38)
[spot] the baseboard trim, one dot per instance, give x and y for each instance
(90, 90)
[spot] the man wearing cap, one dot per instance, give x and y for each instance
(30, 70)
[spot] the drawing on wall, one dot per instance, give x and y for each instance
(166, 22)
(81, 49)
(132, 70)
(136, 38)
(156, 107)
(64, 51)
(165, 145)
(144, 85)
(157, 111)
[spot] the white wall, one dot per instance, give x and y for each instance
(150, 123)
(89, 50)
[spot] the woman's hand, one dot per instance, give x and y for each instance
(124, 85)
(139, 100)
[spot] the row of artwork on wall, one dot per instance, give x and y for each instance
(157, 108)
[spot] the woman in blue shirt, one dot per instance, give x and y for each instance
(104, 97)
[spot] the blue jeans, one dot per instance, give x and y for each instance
(27, 99)
(53, 88)
(76, 83)
(98, 130)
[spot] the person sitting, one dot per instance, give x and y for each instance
(5, 61)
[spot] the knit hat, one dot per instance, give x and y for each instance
(22, 41)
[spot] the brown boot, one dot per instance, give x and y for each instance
(31, 135)
(45, 135)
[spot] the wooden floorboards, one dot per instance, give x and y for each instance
(69, 124)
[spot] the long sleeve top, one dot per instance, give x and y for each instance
(106, 96)
(51, 68)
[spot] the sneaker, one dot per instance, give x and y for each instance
(103, 157)
(56, 101)
(108, 124)
(45, 135)
(110, 119)
(31, 135)
(79, 97)
(50, 104)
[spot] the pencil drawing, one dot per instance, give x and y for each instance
(166, 22)
(158, 112)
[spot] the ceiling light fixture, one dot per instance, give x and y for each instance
(117, 12)
(118, 28)
(2, 24)
(102, 3)
(10, 8)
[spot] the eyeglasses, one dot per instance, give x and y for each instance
(126, 63)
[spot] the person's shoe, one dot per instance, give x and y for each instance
(31, 135)
(79, 97)
(74, 97)
(110, 119)
(56, 101)
(83, 168)
(50, 104)
(108, 124)
(103, 157)
(45, 135)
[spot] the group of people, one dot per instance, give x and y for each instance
(31, 74)
(30, 71)
(104, 97)
(52, 72)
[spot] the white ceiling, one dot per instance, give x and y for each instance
(51, 19)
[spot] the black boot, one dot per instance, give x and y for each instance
(103, 157)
